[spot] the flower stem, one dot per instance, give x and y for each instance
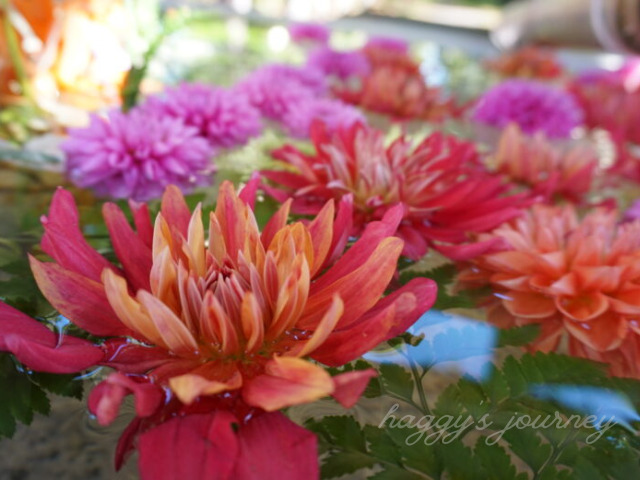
(13, 45)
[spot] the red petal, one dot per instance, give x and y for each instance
(272, 447)
(360, 252)
(248, 193)
(350, 386)
(132, 252)
(471, 250)
(38, 348)
(390, 317)
(78, 298)
(142, 220)
(191, 447)
(64, 242)
(106, 398)
(128, 357)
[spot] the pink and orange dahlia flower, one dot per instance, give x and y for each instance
(441, 186)
(545, 168)
(577, 279)
(216, 324)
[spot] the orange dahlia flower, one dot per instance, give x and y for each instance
(579, 279)
(527, 62)
(395, 87)
(219, 318)
(547, 169)
(444, 189)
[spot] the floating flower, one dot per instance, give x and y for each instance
(310, 33)
(527, 62)
(609, 102)
(341, 65)
(276, 88)
(224, 117)
(535, 107)
(390, 44)
(546, 168)
(440, 183)
(574, 278)
(333, 113)
(137, 155)
(399, 92)
(218, 326)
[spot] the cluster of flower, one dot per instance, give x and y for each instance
(211, 332)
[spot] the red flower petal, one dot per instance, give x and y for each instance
(78, 298)
(64, 242)
(106, 398)
(132, 252)
(350, 386)
(272, 447)
(193, 447)
(390, 317)
(38, 348)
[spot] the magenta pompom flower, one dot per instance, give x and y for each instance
(341, 65)
(535, 107)
(137, 155)
(309, 33)
(333, 113)
(275, 89)
(224, 117)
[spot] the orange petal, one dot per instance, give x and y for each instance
(601, 334)
(321, 230)
(528, 305)
(324, 329)
(203, 381)
(287, 381)
(583, 307)
(176, 337)
(252, 322)
(128, 310)
(626, 302)
(360, 289)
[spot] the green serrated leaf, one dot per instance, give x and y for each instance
(344, 463)
(396, 379)
(65, 385)
(496, 462)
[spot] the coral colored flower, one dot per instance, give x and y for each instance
(341, 65)
(333, 113)
(137, 155)
(390, 44)
(575, 278)
(609, 102)
(400, 93)
(312, 33)
(444, 190)
(527, 62)
(224, 117)
(276, 88)
(546, 168)
(534, 106)
(219, 317)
